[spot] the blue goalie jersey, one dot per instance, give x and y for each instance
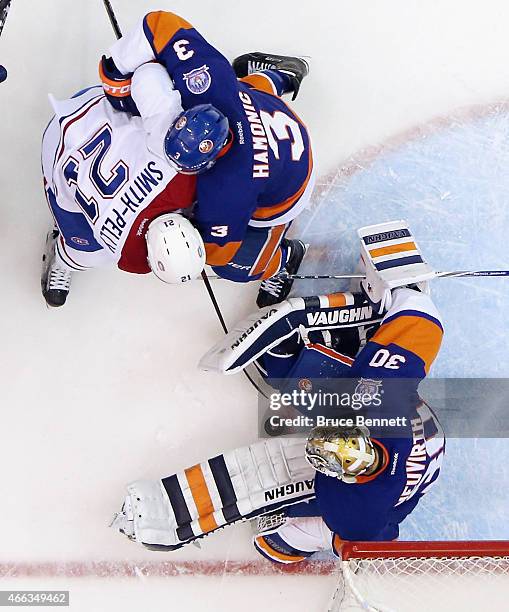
(396, 359)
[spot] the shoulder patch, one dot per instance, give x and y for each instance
(80, 241)
(198, 80)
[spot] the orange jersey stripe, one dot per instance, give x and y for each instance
(269, 211)
(164, 25)
(269, 249)
(260, 540)
(261, 82)
(394, 248)
(202, 499)
(337, 544)
(413, 333)
(221, 255)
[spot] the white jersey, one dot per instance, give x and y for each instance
(102, 167)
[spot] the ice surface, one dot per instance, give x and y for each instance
(449, 180)
(106, 390)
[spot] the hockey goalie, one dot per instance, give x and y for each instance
(342, 482)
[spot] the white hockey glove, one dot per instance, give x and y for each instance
(392, 259)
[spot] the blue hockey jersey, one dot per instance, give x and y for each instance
(260, 181)
(396, 359)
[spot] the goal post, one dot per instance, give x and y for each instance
(423, 576)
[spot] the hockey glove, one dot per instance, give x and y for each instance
(391, 259)
(117, 86)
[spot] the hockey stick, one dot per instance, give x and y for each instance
(112, 18)
(456, 274)
(205, 278)
(213, 299)
(5, 5)
(4, 10)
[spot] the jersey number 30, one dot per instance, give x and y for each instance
(107, 183)
(384, 359)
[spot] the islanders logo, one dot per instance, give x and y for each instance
(198, 80)
(206, 146)
(305, 385)
(181, 122)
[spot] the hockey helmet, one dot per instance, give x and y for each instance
(196, 138)
(341, 452)
(176, 253)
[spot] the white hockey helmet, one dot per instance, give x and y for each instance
(176, 253)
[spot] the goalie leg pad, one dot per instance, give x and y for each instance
(232, 487)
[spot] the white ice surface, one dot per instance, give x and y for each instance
(105, 390)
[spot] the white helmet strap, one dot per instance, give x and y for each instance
(360, 455)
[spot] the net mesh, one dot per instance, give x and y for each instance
(402, 584)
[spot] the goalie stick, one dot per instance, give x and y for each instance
(118, 33)
(454, 274)
(5, 5)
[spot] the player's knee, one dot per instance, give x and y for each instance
(273, 547)
(236, 273)
(230, 273)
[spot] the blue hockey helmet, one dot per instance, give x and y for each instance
(196, 138)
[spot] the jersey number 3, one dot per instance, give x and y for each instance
(279, 126)
(107, 183)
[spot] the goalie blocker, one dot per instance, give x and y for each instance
(392, 259)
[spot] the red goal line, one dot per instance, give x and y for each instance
(161, 569)
(350, 550)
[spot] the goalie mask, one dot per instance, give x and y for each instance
(341, 452)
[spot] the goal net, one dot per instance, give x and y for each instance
(423, 576)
